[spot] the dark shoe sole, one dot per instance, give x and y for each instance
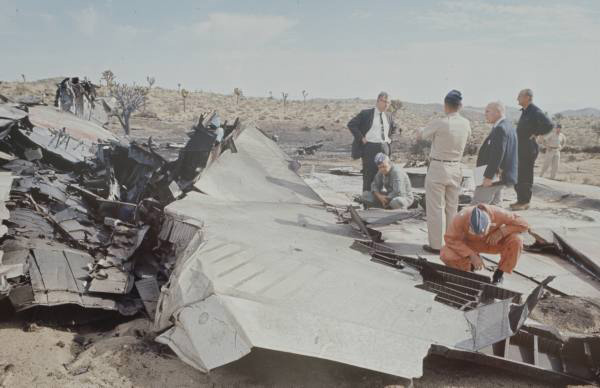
(429, 249)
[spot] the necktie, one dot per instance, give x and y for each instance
(382, 127)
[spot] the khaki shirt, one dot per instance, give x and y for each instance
(448, 137)
(554, 140)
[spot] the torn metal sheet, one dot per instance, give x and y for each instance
(59, 277)
(256, 173)
(149, 292)
(377, 217)
(79, 129)
(293, 284)
(61, 143)
(124, 242)
(582, 244)
(10, 114)
(111, 280)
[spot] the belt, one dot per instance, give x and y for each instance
(446, 161)
(554, 148)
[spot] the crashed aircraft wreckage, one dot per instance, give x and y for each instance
(82, 210)
(245, 254)
(261, 263)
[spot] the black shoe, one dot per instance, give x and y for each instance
(498, 277)
(429, 249)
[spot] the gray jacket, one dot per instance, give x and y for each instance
(396, 184)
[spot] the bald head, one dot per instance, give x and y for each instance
(494, 111)
(525, 97)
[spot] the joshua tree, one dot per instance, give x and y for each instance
(109, 77)
(23, 76)
(238, 94)
(150, 81)
(184, 94)
(304, 95)
(558, 117)
(596, 129)
(129, 99)
(284, 97)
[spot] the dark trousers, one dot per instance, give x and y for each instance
(528, 152)
(369, 168)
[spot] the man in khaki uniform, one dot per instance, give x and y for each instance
(553, 142)
(443, 181)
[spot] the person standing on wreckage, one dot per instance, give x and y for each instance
(372, 130)
(499, 154)
(532, 123)
(444, 176)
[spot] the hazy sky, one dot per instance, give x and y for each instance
(415, 50)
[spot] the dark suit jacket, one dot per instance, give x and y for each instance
(361, 124)
(499, 152)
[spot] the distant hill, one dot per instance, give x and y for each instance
(585, 112)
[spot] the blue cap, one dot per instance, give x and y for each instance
(479, 221)
(380, 158)
(454, 97)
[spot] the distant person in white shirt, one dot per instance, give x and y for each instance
(554, 142)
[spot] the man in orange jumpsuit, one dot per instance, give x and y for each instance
(484, 229)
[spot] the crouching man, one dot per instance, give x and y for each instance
(390, 188)
(484, 229)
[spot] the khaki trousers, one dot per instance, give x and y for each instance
(552, 160)
(442, 188)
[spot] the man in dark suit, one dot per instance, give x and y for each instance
(499, 153)
(533, 122)
(372, 130)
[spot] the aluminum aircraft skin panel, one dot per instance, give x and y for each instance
(274, 270)
(52, 118)
(258, 172)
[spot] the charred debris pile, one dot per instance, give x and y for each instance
(82, 210)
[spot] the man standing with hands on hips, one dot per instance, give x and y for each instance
(444, 177)
(372, 130)
(533, 122)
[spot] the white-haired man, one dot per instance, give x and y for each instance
(532, 123)
(499, 154)
(391, 187)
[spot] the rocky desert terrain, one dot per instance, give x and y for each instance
(301, 123)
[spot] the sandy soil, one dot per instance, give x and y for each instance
(125, 356)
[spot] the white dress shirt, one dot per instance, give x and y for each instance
(374, 134)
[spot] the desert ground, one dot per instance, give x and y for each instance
(37, 352)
